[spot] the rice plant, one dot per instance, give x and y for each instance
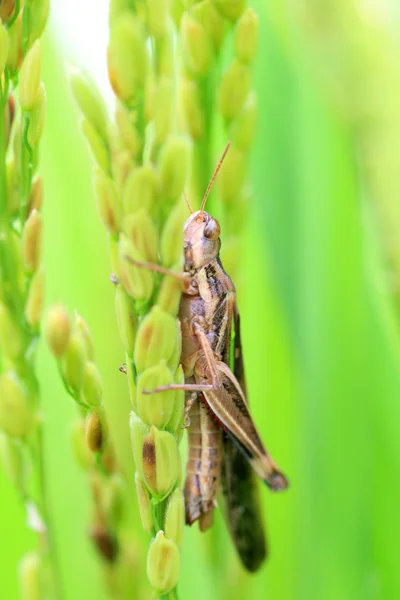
(307, 204)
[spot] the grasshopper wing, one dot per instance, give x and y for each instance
(242, 509)
(239, 485)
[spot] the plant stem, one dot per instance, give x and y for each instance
(26, 169)
(3, 189)
(49, 539)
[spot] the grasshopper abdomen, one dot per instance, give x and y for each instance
(203, 469)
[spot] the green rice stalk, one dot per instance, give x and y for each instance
(72, 346)
(22, 113)
(142, 164)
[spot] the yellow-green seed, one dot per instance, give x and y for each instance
(140, 190)
(38, 16)
(127, 57)
(35, 302)
(16, 417)
(92, 384)
(205, 13)
(83, 328)
(30, 577)
(246, 36)
(172, 236)
(96, 431)
(142, 232)
(138, 281)
(127, 130)
(155, 339)
(155, 409)
(36, 194)
(7, 8)
(160, 462)
(122, 165)
(126, 318)
(89, 101)
(157, 17)
(170, 292)
(163, 564)
(139, 431)
(234, 89)
(58, 329)
(32, 238)
(97, 145)
(149, 464)
(174, 165)
(175, 518)
(37, 117)
(73, 362)
(14, 56)
(144, 505)
(29, 80)
(108, 201)
(4, 44)
(176, 11)
(116, 7)
(230, 9)
(10, 338)
(198, 50)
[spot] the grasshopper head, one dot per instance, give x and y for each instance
(202, 231)
(202, 241)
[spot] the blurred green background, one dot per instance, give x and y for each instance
(320, 330)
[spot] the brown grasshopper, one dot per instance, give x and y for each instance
(222, 437)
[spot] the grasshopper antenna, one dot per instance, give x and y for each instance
(221, 160)
(188, 203)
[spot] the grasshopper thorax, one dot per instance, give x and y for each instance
(201, 241)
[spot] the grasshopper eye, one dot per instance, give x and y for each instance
(212, 230)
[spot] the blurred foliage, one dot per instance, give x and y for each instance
(320, 333)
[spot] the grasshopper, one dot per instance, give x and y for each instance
(223, 441)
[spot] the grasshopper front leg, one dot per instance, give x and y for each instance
(184, 277)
